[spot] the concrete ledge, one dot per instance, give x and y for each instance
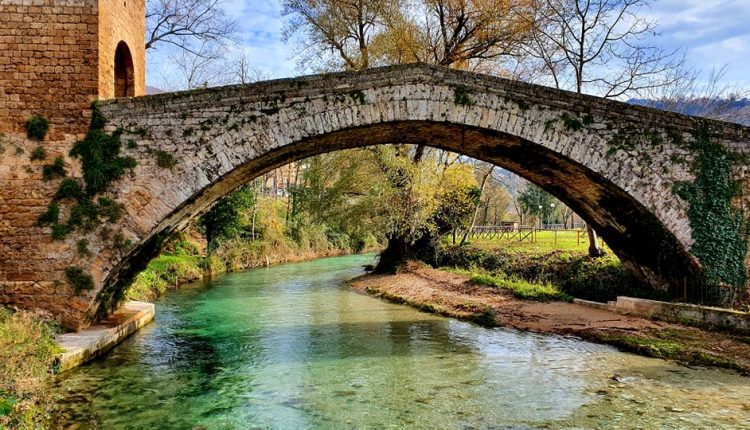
(595, 305)
(92, 342)
(694, 315)
(701, 316)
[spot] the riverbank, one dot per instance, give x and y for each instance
(458, 295)
(173, 271)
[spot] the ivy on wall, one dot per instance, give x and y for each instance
(102, 165)
(720, 231)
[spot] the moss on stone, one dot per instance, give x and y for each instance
(79, 279)
(50, 217)
(110, 209)
(102, 165)
(60, 231)
(69, 189)
(461, 96)
(101, 160)
(571, 122)
(38, 154)
(82, 246)
(84, 215)
(164, 159)
(358, 96)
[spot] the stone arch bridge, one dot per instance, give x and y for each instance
(615, 164)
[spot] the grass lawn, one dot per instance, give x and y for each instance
(544, 242)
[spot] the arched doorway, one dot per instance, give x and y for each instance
(124, 72)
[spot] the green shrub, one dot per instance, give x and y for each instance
(69, 189)
(37, 127)
(163, 273)
(55, 170)
(574, 273)
(38, 154)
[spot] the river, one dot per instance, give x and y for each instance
(291, 347)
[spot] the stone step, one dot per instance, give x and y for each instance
(85, 345)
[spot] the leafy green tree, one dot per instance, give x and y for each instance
(537, 202)
(227, 219)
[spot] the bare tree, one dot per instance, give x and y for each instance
(484, 171)
(600, 47)
(188, 70)
(240, 69)
(460, 32)
(566, 213)
(187, 23)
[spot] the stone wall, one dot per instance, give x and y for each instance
(56, 58)
(48, 63)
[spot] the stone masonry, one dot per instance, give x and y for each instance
(56, 58)
(569, 144)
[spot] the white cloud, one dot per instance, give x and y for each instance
(714, 32)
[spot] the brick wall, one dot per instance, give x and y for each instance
(48, 63)
(56, 57)
(121, 21)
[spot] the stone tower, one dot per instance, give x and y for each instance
(57, 56)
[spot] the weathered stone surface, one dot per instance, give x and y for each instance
(569, 144)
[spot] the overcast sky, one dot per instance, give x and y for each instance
(714, 32)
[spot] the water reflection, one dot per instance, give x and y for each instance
(291, 347)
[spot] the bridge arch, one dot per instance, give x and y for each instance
(614, 164)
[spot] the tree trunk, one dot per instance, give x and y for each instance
(476, 211)
(594, 250)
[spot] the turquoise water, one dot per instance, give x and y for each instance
(292, 347)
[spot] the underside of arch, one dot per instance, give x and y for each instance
(633, 232)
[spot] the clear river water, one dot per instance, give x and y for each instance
(292, 347)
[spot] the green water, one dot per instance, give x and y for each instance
(291, 347)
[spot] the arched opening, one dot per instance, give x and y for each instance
(124, 72)
(638, 237)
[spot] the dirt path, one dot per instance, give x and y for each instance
(453, 295)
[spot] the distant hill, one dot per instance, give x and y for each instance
(740, 109)
(153, 90)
